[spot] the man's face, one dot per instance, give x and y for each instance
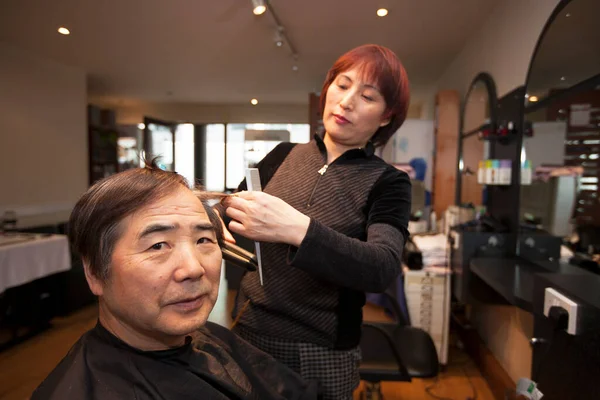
(164, 275)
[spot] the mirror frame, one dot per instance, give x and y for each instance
(490, 85)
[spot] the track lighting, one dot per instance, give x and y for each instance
(278, 36)
(258, 7)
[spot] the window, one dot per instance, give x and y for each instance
(232, 148)
(214, 171)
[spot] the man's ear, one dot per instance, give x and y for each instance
(96, 285)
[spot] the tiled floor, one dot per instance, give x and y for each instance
(24, 366)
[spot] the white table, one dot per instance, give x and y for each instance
(27, 257)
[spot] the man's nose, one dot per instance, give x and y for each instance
(189, 265)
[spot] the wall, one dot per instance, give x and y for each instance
(43, 127)
(133, 112)
(502, 46)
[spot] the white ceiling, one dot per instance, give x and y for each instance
(219, 52)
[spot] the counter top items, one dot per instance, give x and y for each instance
(456, 215)
(434, 249)
(9, 221)
(418, 226)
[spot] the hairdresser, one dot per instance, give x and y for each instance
(332, 221)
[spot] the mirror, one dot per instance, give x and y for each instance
(478, 115)
(563, 110)
(477, 106)
(568, 51)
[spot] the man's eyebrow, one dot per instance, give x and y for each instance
(154, 228)
(204, 227)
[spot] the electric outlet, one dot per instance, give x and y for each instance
(554, 298)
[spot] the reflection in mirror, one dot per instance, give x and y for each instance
(548, 200)
(477, 115)
(477, 108)
(564, 153)
(564, 150)
(568, 53)
(473, 151)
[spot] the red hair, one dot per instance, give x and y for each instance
(378, 65)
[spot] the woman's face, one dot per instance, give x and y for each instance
(354, 109)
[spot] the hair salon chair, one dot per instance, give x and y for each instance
(394, 351)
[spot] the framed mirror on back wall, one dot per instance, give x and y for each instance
(561, 141)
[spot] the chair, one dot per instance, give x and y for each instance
(395, 352)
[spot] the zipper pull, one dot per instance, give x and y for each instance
(323, 169)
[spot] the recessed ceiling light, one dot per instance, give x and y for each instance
(64, 31)
(533, 99)
(141, 126)
(382, 12)
(562, 78)
(568, 15)
(254, 102)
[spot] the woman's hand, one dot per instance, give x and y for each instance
(262, 217)
(227, 236)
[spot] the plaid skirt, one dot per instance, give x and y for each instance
(335, 370)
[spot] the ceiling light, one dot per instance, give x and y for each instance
(562, 78)
(278, 36)
(382, 12)
(533, 99)
(568, 15)
(254, 102)
(258, 7)
(294, 68)
(64, 31)
(141, 126)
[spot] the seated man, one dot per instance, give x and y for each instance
(151, 253)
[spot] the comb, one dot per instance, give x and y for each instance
(253, 184)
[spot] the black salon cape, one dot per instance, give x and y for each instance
(214, 364)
